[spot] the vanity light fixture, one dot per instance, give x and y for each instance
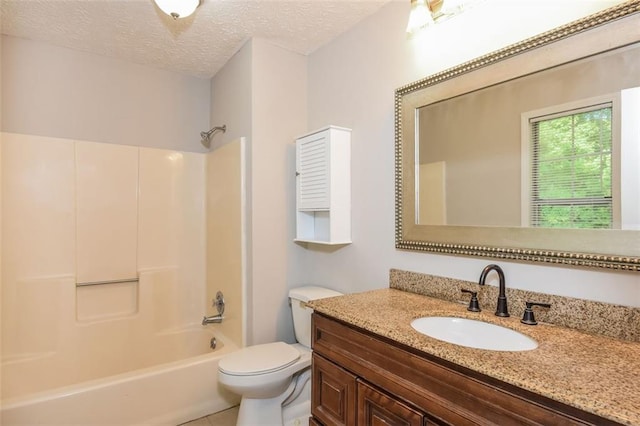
(178, 8)
(427, 12)
(419, 17)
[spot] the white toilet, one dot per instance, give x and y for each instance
(274, 378)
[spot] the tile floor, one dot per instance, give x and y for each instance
(223, 418)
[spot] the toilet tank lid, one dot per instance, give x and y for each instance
(305, 294)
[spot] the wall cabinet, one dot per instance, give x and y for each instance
(359, 378)
(323, 186)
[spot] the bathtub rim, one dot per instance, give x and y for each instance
(69, 390)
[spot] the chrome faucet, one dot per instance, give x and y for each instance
(218, 303)
(213, 319)
(501, 308)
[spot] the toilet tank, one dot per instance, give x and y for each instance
(302, 314)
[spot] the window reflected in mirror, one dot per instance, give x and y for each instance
(569, 170)
(545, 150)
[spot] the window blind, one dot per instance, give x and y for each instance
(571, 169)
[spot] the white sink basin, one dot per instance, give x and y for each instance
(473, 334)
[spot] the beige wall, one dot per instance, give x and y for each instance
(262, 92)
(231, 94)
(58, 92)
(279, 115)
(351, 83)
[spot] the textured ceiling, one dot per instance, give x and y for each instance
(136, 31)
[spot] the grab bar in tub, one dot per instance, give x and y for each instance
(88, 283)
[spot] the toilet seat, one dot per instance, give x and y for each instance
(259, 359)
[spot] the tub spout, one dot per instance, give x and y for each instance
(214, 319)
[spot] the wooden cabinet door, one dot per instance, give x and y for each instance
(377, 409)
(333, 394)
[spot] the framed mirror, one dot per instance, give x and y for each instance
(529, 153)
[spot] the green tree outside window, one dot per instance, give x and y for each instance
(571, 170)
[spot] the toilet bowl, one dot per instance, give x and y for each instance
(274, 378)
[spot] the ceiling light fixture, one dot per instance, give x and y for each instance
(427, 12)
(178, 8)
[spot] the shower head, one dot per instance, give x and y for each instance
(206, 136)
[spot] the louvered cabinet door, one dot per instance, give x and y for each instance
(313, 172)
(323, 186)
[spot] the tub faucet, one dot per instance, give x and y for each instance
(501, 308)
(213, 319)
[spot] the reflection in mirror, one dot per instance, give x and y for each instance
(528, 153)
(544, 150)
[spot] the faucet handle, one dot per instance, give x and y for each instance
(474, 306)
(528, 317)
(218, 302)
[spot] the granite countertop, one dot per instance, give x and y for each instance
(597, 374)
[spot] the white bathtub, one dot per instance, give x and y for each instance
(169, 393)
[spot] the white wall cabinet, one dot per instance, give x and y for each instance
(323, 186)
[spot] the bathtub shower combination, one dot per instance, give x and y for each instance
(104, 282)
(117, 371)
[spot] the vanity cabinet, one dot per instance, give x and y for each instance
(323, 186)
(359, 378)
